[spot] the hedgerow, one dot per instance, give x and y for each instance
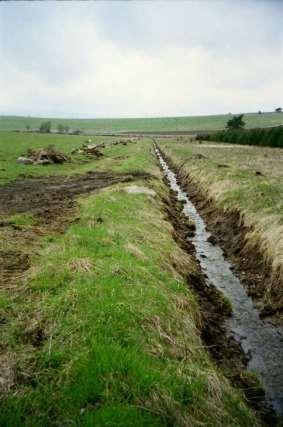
(268, 137)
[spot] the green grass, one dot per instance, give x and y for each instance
(189, 123)
(24, 220)
(13, 145)
(237, 184)
(116, 342)
(121, 344)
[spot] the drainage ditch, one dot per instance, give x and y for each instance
(261, 341)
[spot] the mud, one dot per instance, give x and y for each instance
(51, 200)
(43, 196)
(12, 264)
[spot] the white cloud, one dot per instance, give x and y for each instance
(71, 67)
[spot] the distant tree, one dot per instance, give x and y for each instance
(259, 112)
(63, 128)
(236, 122)
(45, 127)
(278, 110)
(27, 127)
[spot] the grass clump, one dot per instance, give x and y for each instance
(21, 220)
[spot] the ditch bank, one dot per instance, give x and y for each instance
(243, 339)
(215, 310)
(229, 230)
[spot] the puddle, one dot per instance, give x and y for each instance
(261, 341)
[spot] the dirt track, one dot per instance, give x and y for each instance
(43, 195)
(52, 201)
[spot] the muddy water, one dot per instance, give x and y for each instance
(260, 340)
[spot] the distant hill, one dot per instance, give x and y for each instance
(189, 123)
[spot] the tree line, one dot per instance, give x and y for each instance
(46, 127)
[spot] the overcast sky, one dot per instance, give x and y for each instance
(140, 58)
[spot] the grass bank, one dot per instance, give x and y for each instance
(186, 123)
(101, 330)
(248, 180)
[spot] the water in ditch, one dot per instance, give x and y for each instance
(260, 340)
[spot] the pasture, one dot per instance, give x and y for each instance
(154, 124)
(105, 309)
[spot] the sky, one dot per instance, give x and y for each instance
(140, 58)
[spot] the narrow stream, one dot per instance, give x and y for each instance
(260, 340)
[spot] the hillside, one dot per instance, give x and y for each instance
(189, 123)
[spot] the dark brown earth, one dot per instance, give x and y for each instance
(51, 200)
(43, 195)
(12, 264)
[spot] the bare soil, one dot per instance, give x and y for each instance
(51, 200)
(41, 195)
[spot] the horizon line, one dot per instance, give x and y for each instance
(31, 116)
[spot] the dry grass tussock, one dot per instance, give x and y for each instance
(182, 262)
(80, 265)
(268, 229)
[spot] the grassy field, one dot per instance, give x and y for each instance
(101, 330)
(13, 145)
(190, 123)
(246, 178)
